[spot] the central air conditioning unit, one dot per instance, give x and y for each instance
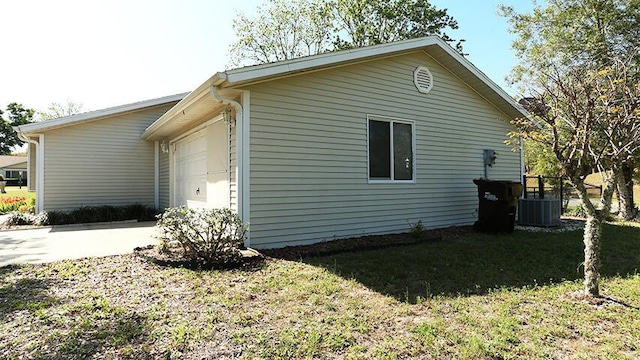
(539, 212)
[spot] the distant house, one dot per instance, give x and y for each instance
(349, 143)
(14, 169)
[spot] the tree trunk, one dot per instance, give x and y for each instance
(624, 184)
(593, 234)
(591, 238)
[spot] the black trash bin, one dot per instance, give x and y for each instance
(497, 205)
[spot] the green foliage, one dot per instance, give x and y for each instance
(207, 235)
(540, 160)
(289, 29)
(88, 214)
(284, 29)
(27, 218)
(372, 22)
(578, 64)
(58, 110)
(16, 115)
(417, 229)
(573, 32)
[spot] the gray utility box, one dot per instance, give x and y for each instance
(539, 212)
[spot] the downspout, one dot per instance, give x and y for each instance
(236, 105)
(156, 174)
(240, 149)
(38, 186)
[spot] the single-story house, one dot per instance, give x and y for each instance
(348, 143)
(14, 168)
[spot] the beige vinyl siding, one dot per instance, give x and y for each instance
(164, 180)
(309, 174)
(103, 162)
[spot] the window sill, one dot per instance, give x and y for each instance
(372, 181)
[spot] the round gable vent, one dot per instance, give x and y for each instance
(423, 79)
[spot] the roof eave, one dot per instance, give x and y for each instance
(216, 80)
(96, 115)
(267, 72)
(251, 74)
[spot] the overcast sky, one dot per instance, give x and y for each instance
(112, 52)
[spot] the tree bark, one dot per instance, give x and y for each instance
(624, 184)
(593, 234)
(591, 238)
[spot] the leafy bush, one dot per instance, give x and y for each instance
(139, 212)
(82, 215)
(58, 218)
(417, 229)
(23, 218)
(206, 235)
(105, 213)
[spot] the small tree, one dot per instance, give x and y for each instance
(282, 30)
(285, 30)
(571, 116)
(16, 115)
(58, 110)
(619, 96)
(371, 22)
(578, 58)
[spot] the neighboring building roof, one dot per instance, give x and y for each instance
(97, 114)
(437, 48)
(7, 161)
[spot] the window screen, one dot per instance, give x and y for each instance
(390, 150)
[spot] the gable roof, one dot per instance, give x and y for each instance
(434, 46)
(97, 114)
(10, 160)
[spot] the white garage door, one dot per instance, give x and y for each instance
(191, 171)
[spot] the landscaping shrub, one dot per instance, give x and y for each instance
(58, 217)
(25, 218)
(139, 212)
(206, 235)
(417, 229)
(82, 215)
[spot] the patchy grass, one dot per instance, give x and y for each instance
(467, 296)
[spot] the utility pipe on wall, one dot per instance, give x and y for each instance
(242, 172)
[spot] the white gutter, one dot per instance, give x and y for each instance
(242, 152)
(39, 144)
(236, 105)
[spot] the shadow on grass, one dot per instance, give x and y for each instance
(476, 263)
(65, 329)
(89, 336)
(23, 293)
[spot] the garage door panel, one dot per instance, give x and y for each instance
(191, 170)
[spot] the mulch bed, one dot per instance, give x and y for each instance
(370, 242)
(174, 257)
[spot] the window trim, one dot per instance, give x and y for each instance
(392, 120)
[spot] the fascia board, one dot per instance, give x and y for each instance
(97, 114)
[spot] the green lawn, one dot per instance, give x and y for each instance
(16, 191)
(468, 296)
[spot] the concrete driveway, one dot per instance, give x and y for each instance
(55, 243)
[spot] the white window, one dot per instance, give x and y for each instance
(391, 149)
